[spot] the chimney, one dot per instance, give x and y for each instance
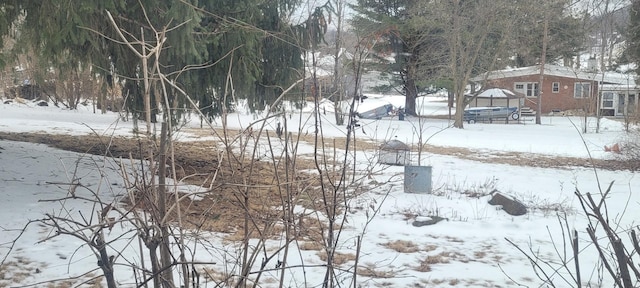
(592, 64)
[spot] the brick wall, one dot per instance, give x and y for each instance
(561, 100)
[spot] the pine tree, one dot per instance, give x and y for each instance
(249, 39)
(391, 20)
(633, 38)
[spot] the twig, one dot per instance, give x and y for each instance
(15, 240)
(533, 262)
(594, 240)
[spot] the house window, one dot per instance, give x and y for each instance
(530, 89)
(582, 90)
(555, 87)
(607, 99)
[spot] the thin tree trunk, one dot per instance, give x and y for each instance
(105, 262)
(165, 254)
(338, 90)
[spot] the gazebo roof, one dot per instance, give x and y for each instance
(499, 93)
(394, 145)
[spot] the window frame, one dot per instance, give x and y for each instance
(529, 89)
(555, 87)
(532, 90)
(582, 85)
(607, 99)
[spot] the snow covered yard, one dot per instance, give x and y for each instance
(467, 249)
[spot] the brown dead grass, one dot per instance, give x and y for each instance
(338, 257)
(373, 271)
(479, 254)
(20, 268)
(223, 207)
(440, 258)
(69, 284)
(423, 267)
(402, 246)
(16, 271)
(310, 245)
(429, 247)
(212, 275)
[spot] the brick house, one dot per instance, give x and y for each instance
(564, 88)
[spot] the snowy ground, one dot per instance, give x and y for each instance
(468, 250)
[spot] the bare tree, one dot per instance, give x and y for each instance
(338, 82)
(475, 34)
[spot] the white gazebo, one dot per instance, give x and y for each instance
(494, 97)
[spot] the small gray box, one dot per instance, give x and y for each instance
(417, 179)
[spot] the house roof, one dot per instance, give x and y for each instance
(550, 70)
(620, 82)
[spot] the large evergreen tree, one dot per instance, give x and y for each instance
(247, 38)
(391, 21)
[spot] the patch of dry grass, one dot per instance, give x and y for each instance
(402, 246)
(423, 267)
(338, 258)
(371, 270)
(479, 254)
(429, 247)
(69, 284)
(21, 268)
(16, 271)
(212, 275)
(440, 258)
(310, 245)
